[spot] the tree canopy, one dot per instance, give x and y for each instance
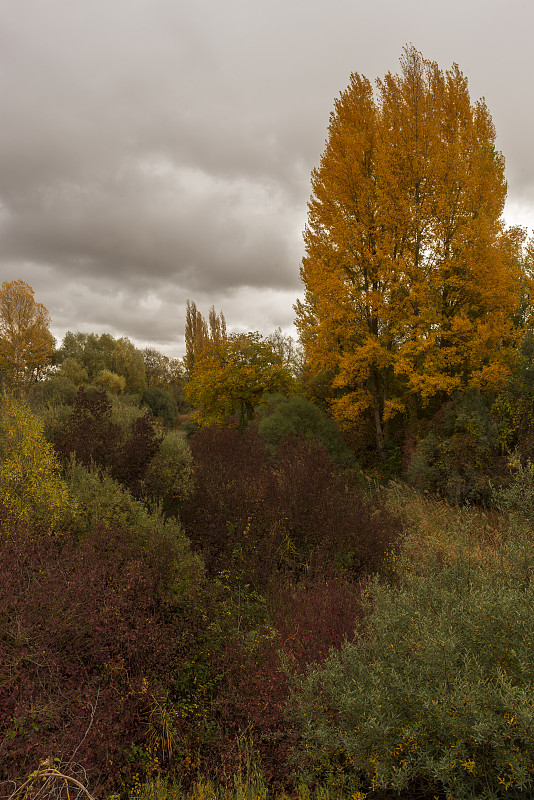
(412, 283)
(26, 344)
(231, 376)
(89, 357)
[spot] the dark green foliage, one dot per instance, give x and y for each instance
(460, 454)
(83, 357)
(54, 390)
(161, 403)
(281, 416)
(169, 474)
(514, 406)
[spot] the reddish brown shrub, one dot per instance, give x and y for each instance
(295, 512)
(86, 649)
(91, 437)
(129, 463)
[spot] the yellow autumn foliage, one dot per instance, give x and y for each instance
(412, 283)
(26, 344)
(231, 376)
(31, 488)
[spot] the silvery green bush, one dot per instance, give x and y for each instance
(436, 693)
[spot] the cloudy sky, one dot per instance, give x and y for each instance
(154, 151)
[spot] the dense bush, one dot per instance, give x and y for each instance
(281, 417)
(293, 512)
(54, 390)
(169, 473)
(93, 434)
(130, 462)
(31, 487)
(514, 405)
(89, 653)
(434, 697)
(459, 456)
(89, 432)
(101, 502)
(234, 487)
(161, 403)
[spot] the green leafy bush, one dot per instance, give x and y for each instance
(55, 390)
(169, 476)
(161, 403)
(280, 417)
(435, 696)
(459, 455)
(516, 495)
(103, 502)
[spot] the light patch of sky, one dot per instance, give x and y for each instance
(517, 212)
(151, 302)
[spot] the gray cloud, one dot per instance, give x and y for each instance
(152, 152)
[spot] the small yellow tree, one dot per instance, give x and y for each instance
(26, 344)
(31, 488)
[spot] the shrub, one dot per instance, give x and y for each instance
(169, 475)
(227, 517)
(292, 513)
(283, 417)
(161, 403)
(516, 495)
(324, 520)
(54, 390)
(89, 434)
(102, 502)
(130, 461)
(31, 488)
(434, 697)
(88, 656)
(459, 456)
(93, 435)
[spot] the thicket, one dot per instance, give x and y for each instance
(433, 696)
(121, 655)
(244, 614)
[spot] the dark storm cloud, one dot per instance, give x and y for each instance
(153, 151)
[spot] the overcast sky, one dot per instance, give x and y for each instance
(154, 151)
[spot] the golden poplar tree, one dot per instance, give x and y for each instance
(26, 344)
(411, 281)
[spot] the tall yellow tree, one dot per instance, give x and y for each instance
(26, 344)
(199, 333)
(411, 280)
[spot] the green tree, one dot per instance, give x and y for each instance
(128, 361)
(163, 372)
(411, 281)
(26, 344)
(230, 377)
(280, 417)
(82, 357)
(110, 381)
